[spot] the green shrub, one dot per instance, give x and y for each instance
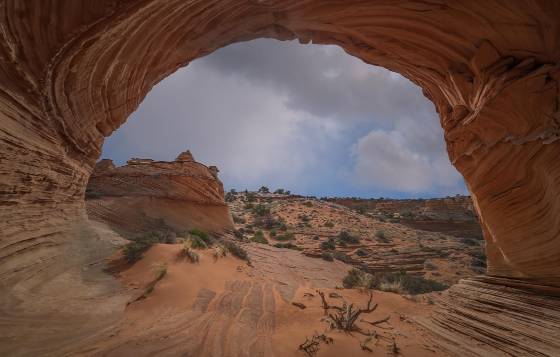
(347, 238)
(315, 238)
(202, 235)
(264, 189)
(283, 227)
(188, 252)
(133, 251)
(197, 242)
(329, 224)
(402, 282)
(259, 237)
(238, 233)
(238, 220)
(279, 191)
(362, 252)
(381, 236)
(357, 278)
(236, 250)
(273, 232)
(250, 196)
(287, 246)
(342, 257)
(261, 210)
(328, 244)
(327, 256)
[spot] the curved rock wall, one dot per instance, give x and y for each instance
(72, 71)
(146, 194)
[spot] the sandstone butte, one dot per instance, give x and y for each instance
(71, 72)
(146, 194)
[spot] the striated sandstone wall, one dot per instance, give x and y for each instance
(146, 194)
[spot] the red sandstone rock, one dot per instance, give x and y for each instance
(181, 194)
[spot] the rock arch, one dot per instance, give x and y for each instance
(72, 71)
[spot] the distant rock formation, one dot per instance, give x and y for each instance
(146, 194)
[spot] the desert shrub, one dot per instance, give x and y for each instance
(238, 233)
(469, 241)
(134, 250)
(308, 204)
(197, 242)
(273, 233)
(327, 256)
(478, 263)
(402, 282)
(219, 252)
(362, 252)
(188, 252)
(357, 278)
(230, 197)
(259, 237)
(261, 210)
(328, 244)
(347, 238)
(342, 257)
(288, 245)
(248, 206)
(285, 237)
(315, 238)
(279, 191)
(264, 189)
(202, 235)
(250, 196)
(236, 250)
(238, 220)
(266, 221)
(407, 214)
(361, 209)
(329, 224)
(283, 227)
(381, 236)
(304, 218)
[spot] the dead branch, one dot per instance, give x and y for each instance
(376, 322)
(311, 347)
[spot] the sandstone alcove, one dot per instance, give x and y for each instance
(72, 72)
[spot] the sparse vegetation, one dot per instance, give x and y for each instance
(328, 244)
(259, 237)
(188, 252)
(399, 282)
(288, 245)
(261, 210)
(202, 235)
(134, 250)
(382, 236)
(327, 256)
(236, 250)
(347, 238)
(342, 257)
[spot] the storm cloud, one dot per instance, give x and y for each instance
(309, 118)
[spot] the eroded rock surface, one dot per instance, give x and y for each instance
(146, 194)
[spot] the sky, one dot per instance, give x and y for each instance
(308, 118)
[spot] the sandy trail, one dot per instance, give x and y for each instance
(227, 308)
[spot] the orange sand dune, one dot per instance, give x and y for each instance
(227, 308)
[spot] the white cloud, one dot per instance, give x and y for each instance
(383, 159)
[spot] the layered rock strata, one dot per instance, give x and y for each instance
(150, 195)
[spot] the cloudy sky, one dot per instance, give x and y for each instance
(307, 118)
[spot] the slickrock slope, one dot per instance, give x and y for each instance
(147, 194)
(383, 246)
